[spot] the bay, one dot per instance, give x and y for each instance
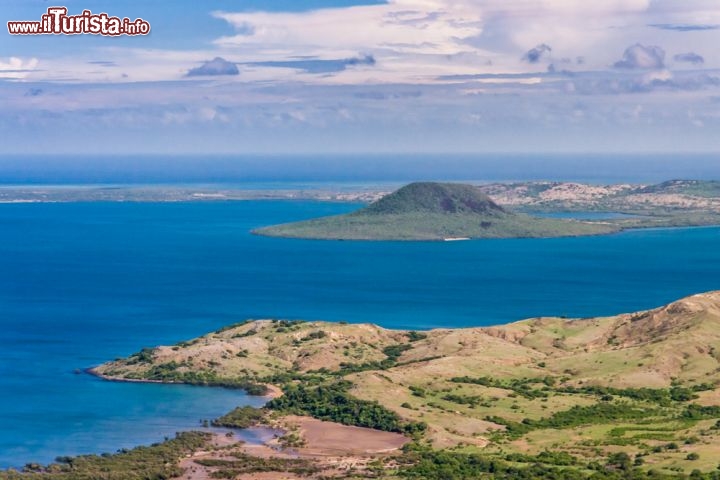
(82, 283)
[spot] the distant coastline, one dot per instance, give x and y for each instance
(674, 203)
(434, 211)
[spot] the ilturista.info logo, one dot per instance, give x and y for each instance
(57, 22)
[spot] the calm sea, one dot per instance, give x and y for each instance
(84, 283)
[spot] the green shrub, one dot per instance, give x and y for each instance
(156, 462)
(241, 417)
(414, 336)
(334, 403)
(316, 335)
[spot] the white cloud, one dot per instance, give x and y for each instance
(215, 67)
(17, 68)
(439, 36)
(642, 57)
(440, 65)
(402, 26)
(413, 41)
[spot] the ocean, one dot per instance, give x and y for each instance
(81, 283)
(239, 170)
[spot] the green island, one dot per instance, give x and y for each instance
(630, 396)
(434, 211)
(449, 211)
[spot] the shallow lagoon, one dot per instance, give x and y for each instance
(84, 283)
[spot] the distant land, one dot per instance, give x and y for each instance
(629, 396)
(434, 211)
(534, 196)
(524, 207)
(184, 193)
(437, 211)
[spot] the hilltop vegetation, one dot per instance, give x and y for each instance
(429, 197)
(433, 211)
(533, 398)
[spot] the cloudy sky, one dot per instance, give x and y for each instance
(306, 76)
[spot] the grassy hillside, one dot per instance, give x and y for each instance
(429, 197)
(433, 211)
(644, 384)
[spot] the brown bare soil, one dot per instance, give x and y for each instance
(328, 438)
(335, 449)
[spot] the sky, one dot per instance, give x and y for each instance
(354, 76)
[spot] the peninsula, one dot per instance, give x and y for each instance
(630, 396)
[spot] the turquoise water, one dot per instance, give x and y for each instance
(84, 283)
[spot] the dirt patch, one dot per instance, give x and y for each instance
(328, 438)
(709, 399)
(335, 449)
(222, 448)
(273, 392)
(194, 471)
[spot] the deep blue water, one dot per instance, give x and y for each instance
(400, 168)
(84, 283)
